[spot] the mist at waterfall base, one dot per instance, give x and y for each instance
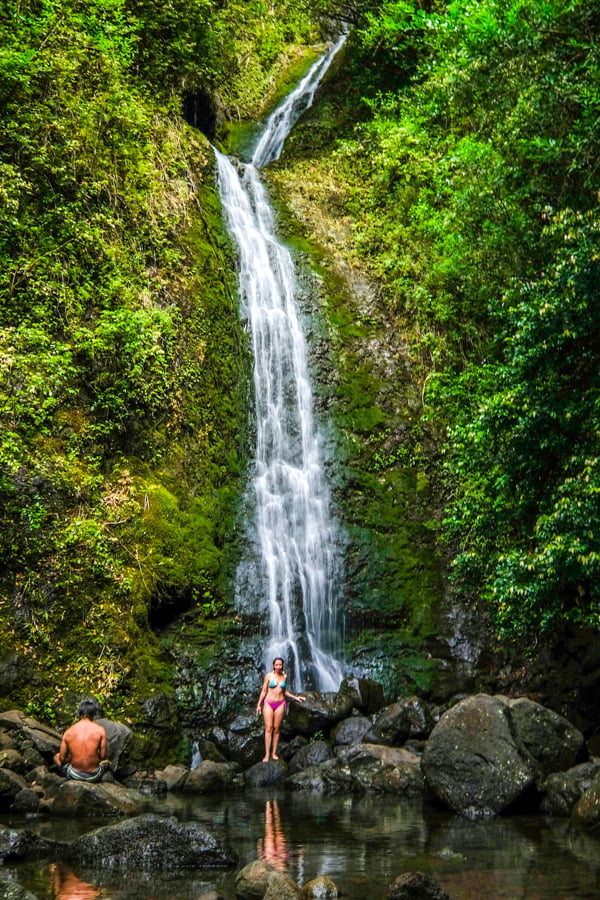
(291, 566)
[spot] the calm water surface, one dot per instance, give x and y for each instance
(362, 843)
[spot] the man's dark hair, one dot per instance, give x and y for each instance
(89, 708)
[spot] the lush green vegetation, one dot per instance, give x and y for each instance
(464, 159)
(123, 396)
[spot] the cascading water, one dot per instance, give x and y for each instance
(295, 563)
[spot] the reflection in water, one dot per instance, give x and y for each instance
(273, 848)
(67, 886)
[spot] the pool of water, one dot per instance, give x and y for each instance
(362, 843)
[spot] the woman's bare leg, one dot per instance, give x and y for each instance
(268, 714)
(277, 720)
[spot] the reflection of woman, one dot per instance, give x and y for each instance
(67, 886)
(272, 702)
(273, 849)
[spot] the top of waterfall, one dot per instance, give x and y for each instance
(282, 120)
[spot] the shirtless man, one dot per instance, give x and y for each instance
(82, 754)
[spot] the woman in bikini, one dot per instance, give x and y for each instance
(272, 704)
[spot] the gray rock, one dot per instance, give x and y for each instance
(351, 731)
(471, 762)
(251, 881)
(173, 776)
(546, 741)
(153, 843)
(310, 755)
(211, 777)
(26, 801)
(562, 790)
(376, 768)
(15, 761)
(74, 798)
(415, 886)
(366, 694)
(246, 740)
(391, 726)
(44, 739)
(10, 785)
(264, 774)
(21, 844)
(329, 777)
(320, 712)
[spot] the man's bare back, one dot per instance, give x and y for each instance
(83, 745)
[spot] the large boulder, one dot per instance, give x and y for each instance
(471, 761)
(367, 696)
(310, 755)
(173, 776)
(152, 843)
(10, 785)
(75, 798)
(319, 713)
(547, 741)
(392, 726)
(210, 777)
(562, 790)
(44, 739)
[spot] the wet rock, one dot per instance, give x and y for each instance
(366, 694)
(152, 843)
(471, 762)
(13, 760)
(173, 776)
(75, 798)
(10, 785)
(246, 740)
(546, 740)
(43, 739)
(320, 712)
(321, 888)
(216, 747)
(210, 777)
(147, 784)
(310, 755)
(386, 770)
(49, 781)
(264, 774)
(26, 801)
(287, 749)
(415, 886)
(281, 887)
(32, 758)
(23, 844)
(329, 777)
(251, 881)
(586, 812)
(562, 790)
(391, 726)
(420, 715)
(351, 731)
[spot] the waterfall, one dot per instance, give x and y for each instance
(293, 565)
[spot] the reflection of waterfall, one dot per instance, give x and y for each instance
(293, 563)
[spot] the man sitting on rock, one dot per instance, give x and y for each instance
(82, 754)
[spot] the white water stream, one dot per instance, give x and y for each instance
(295, 569)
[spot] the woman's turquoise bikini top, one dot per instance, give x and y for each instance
(273, 684)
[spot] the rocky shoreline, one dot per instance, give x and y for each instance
(485, 756)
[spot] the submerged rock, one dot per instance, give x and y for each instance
(281, 887)
(321, 888)
(415, 886)
(23, 844)
(152, 842)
